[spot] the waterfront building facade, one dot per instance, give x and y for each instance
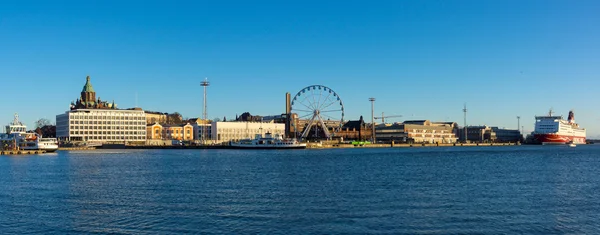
(223, 132)
(201, 128)
(101, 125)
(154, 131)
(417, 131)
(159, 131)
(507, 135)
(478, 134)
(96, 121)
(354, 130)
(487, 134)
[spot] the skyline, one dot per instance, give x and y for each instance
(422, 60)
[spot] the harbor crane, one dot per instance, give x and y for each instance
(383, 117)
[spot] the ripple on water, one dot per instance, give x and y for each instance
(394, 191)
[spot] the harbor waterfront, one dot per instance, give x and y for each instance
(443, 190)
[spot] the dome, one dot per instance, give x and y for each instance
(88, 86)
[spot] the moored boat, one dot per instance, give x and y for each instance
(17, 137)
(268, 142)
(555, 130)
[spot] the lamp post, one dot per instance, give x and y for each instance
(204, 84)
(465, 128)
(372, 119)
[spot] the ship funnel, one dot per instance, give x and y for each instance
(571, 116)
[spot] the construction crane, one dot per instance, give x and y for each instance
(383, 117)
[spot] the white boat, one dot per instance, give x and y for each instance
(48, 144)
(572, 145)
(268, 142)
(16, 136)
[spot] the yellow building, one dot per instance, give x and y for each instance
(188, 131)
(158, 131)
(154, 131)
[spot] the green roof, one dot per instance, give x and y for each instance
(88, 86)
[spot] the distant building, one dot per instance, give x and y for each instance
(391, 132)
(417, 131)
(92, 120)
(154, 131)
(227, 131)
(355, 130)
(481, 134)
(198, 126)
(101, 125)
(164, 131)
(154, 117)
(88, 99)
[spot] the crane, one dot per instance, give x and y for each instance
(383, 117)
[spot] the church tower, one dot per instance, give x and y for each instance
(88, 95)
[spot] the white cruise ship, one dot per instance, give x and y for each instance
(555, 130)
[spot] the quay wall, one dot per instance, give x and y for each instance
(21, 152)
(336, 145)
(309, 146)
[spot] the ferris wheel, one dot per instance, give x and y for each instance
(319, 105)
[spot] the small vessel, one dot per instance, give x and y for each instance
(268, 142)
(16, 136)
(572, 145)
(555, 130)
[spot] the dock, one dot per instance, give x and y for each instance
(394, 145)
(21, 152)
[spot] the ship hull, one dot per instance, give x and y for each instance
(554, 139)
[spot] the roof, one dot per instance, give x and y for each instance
(154, 112)
(353, 124)
(420, 122)
(88, 86)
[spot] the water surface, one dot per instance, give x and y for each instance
(489, 190)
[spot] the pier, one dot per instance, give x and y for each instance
(21, 152)
(394, 145)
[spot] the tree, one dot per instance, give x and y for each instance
(48, 131)
(45, 128)
(42, 122)
(174, 118)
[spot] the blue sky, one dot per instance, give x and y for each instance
(420, 59)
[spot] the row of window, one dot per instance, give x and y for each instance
(256, 131)
(169, 131)
(78, 117)
(109, 122)
(116, 138)
(107, 128)
(108, 133)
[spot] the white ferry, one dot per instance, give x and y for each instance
(555, 130)
(16, 136)
(268, 142)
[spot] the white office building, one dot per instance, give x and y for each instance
(233, 131)
(102, 125)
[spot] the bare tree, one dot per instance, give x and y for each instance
(42, 122)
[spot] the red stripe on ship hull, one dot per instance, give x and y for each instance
(558, 139)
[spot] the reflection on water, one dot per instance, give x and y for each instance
(526, 189)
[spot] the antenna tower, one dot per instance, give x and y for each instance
(372, 118)
(465, 111)
(204, 84)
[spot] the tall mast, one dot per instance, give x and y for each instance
(204, 84)
(465, 111)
